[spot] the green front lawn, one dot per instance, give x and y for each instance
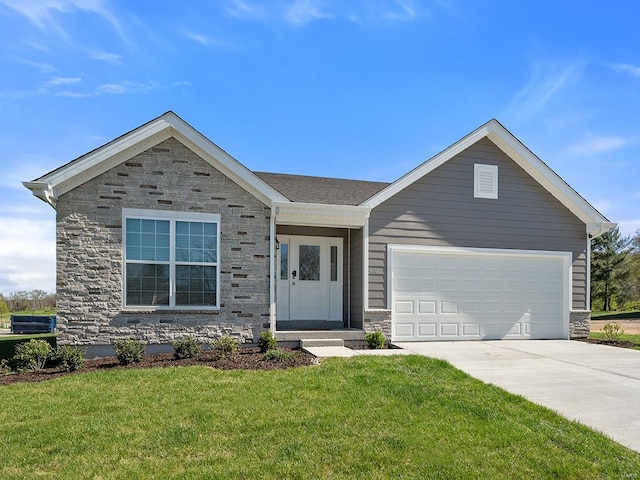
(365, 417)
(615, 315)
(633, 338)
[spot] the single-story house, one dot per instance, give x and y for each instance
(161, 234)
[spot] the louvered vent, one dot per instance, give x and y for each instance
(485, 181)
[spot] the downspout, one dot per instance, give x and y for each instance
(272, 270)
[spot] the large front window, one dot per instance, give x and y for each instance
(171, 259)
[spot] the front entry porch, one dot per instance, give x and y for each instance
(315, 279)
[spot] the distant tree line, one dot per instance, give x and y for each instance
(26, 301)
(615, 272)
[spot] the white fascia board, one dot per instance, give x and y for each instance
(224, 162)
(318, 214)
(596, 223)
(426, 167)
(544, 175)
(147, 136)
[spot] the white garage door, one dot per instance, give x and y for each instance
(474, 294)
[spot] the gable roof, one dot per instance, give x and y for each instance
(596, 223)
(323, 190)
(341, 201)
(61, 180)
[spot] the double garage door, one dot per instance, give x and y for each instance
(475, 294)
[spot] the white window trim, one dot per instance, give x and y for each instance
(478, 169)
(173, 217)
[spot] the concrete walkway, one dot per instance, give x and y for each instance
(596, 385)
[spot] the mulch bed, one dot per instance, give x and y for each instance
(246, 359)
(612, 343)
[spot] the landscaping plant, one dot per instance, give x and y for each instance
(277, 355)
(375, 340)
(69, 358)
(32, 355)
(129, 351)
(187, 347)
(226, 346)
(612, 331)
(267, 341)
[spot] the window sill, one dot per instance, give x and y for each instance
(172, 311)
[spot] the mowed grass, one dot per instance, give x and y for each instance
(625, 337)
(365, 417)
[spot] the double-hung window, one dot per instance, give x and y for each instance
(171, 259)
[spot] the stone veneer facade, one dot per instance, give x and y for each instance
(579, 323)
(167, 177)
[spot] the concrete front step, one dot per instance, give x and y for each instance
(297, 335)
(321, 342)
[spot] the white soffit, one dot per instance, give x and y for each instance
(320, 215)
(596, 223)
(141, 139)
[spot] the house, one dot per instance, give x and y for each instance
(161, 233)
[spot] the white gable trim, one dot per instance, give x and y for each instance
(94, 163)
(596, 223)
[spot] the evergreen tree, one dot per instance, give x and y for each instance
(608, 269)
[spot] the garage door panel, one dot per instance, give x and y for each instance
(477, 295)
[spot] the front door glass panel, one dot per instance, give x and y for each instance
(309, 262)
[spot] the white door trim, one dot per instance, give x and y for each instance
(331, 291)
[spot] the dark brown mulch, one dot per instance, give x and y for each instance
(612, 343)
(246, 359)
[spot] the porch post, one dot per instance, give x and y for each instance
(272, 271)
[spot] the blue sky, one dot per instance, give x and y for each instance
(364, 89)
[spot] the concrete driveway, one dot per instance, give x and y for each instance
(596, 385)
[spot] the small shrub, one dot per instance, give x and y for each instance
(375, 340)
(267, 341)
(5, 368)
(612, 331)
(129, 351)
(187, 347)
(226, 346)
(32, 355)
(631, 306)
(277, 355)
(69, 358)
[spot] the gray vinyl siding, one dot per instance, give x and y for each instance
(440, 210)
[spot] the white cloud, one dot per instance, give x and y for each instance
(626, 68)
(301, 12)
(207, 41)
(406, 10)
(629, 227)
(57, 81)
(596, 144)
(42, 13)
(546, 81)
(106, 57)
(27, 254)
(43, 67)
(245, 10)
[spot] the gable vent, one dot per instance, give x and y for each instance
(485, 181)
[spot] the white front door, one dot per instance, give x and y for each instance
(309, 278)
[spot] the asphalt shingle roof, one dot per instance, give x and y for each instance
(333, 191)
